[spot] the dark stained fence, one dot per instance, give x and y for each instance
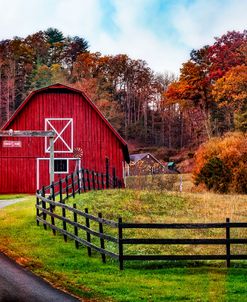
(73, 221)
(82, 180)
(62, 227)
(227, 241)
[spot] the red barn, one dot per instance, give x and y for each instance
(84, 138)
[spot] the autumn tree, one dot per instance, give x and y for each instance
(226, 53)
(208, 99)
(196, 85)
(28, 63)
(192, 90)
(221, 164)
(119, 82)
(230, 92)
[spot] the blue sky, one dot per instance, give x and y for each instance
(161, 32)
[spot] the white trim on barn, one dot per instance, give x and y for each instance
(78, 165)
(68, 145)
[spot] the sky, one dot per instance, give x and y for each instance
(161, 32)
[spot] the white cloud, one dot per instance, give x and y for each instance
(198, 23)
(77, 17)
(137, 41)
(20, 18)
(194, 25)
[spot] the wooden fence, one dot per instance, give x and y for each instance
(227, 241)
(77, 225)
(82, 180)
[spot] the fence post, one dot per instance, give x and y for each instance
(181, 184)
(97, 178)
(67, 186)
(102, 241)
(83, 180)
(102, 181)
(114, 177)
(37, 210)
(52, 218)
(73, 185)
(52, 197)
(75, 227)
(61, 190)
(228, 245)
(119, 182)
(89, 251)
(120, 244)
(53, 191)
(93, 179)
(107, 172)
(78, 181)
(44, 207)
(88, 180)
(64, 224)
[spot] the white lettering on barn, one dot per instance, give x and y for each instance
(12, 144)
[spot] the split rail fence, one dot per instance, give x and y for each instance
(80, 226)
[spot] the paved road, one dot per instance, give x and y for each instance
(19, 285)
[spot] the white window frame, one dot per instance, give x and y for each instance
(59, 135)
(47, 158)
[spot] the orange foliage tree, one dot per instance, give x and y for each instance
(230, 91)
(221, 163)
(224, 62)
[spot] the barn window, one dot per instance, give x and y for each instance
(61, 166)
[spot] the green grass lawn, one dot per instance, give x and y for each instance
(72, 270)
(11, 196)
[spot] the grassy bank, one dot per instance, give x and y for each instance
(74, 271)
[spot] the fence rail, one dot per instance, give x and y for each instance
(81, 221)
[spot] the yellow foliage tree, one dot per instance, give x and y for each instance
(231, 152)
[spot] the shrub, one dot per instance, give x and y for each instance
(239, 182)
(221, 164)
(215, 175)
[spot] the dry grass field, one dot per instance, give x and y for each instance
(162, 182)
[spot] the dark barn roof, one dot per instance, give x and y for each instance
(136, 157)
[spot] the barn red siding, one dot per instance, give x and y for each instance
(91, 133)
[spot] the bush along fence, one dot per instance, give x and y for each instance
(81, 226)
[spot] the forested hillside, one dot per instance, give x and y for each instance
(152, 110)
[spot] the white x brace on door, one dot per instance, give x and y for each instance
(63, 128)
